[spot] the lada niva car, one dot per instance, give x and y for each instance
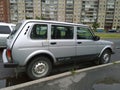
(38, 45)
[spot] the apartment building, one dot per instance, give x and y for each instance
(89, 11)
(49, 9)
(109, 14)
(14, 11)
(116, 20)
(4, 11)
(105, 12)
(24, 9)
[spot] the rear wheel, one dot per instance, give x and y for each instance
(105, 57)
(39, 67)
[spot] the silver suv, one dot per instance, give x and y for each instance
(5, 30)
(38, 45)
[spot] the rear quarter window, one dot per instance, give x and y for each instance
(5, 30)
(39, 31)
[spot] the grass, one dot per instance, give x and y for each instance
(109, 35)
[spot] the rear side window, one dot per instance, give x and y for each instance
(5, 30)
(39, 31)
(62, 32)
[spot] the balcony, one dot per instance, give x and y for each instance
(13, 1)
(108, 21)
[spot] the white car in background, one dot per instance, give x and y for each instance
(5, 30)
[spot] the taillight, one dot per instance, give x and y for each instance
(8, 53)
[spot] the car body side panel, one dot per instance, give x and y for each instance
(62, 48)
(38, 52)
(24, 46)
(87, 47)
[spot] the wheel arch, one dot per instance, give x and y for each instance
(40, 53)
(106, 48)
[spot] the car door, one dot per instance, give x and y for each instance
(62, 43)
(86, 47)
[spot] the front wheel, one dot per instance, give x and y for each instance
(39, 67)
(105, 57)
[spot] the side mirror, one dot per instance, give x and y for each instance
(96, 38)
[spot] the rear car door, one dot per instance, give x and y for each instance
(62, 43)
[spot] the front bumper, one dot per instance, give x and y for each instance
(6, 63)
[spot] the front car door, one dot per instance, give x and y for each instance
(86, 47)
(62, 43)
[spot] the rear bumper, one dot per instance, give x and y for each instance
(5, 61)
(10, 65)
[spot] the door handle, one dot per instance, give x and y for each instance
(53, 43)
(79, 42)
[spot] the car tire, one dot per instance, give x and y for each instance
(39, 67)
(105, 57)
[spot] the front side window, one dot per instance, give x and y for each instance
(39, 31)
(83, 33)
(61, 32)
(5, 30)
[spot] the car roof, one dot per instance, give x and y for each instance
(50, 21)
(9, 24)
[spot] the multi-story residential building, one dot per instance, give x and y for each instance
(49, 9)
(14, 11)
(110, 8)
(102, 13)
(69, 10)
(109, 14)
(4, 11)
(24, 9)
(29, 11)
(116, 20)
(77, 11)
(37, 8)
(105, 12)
(89, 11)
(61, 10)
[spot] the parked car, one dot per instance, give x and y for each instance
(5, 30)
(37, 45)
(112, 31)
(100, 30)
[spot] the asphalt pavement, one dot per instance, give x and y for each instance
(8, 76)
(116, 56)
